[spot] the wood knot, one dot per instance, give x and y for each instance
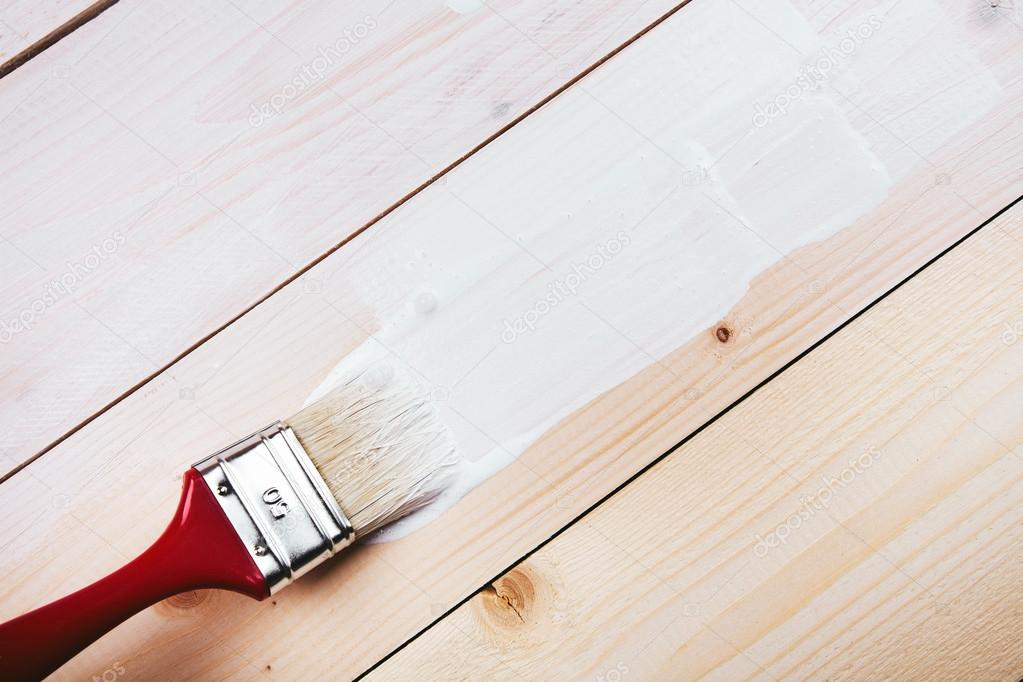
(509, 601)
(184, 602)
(723, 333)
(520, 609)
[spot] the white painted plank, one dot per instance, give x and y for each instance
(169, 164)
(23, 23)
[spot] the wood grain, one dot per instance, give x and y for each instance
(27, 28)
(787, 237)
(859, 517)
(169, 164)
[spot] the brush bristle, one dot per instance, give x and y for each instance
(380, 446)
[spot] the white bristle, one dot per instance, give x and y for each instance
(381, 447)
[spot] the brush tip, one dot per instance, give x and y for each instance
(381, 445)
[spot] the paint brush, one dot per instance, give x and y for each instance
(261, 513)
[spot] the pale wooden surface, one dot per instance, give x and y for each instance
(138, 131)
(24, 22)
(482, 247)
(907, 567)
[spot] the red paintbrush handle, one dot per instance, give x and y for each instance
(198, 550)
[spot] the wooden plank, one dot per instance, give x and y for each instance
(169, 164)
(642, 343)
(859, 517)
(27, 28)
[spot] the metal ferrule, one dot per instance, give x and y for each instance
(278, 503)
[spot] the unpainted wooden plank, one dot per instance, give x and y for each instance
(642, 342)
(169, 164)
(859, 517)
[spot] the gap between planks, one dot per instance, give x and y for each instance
(489, 585)
(56, 35)
(97, 9)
